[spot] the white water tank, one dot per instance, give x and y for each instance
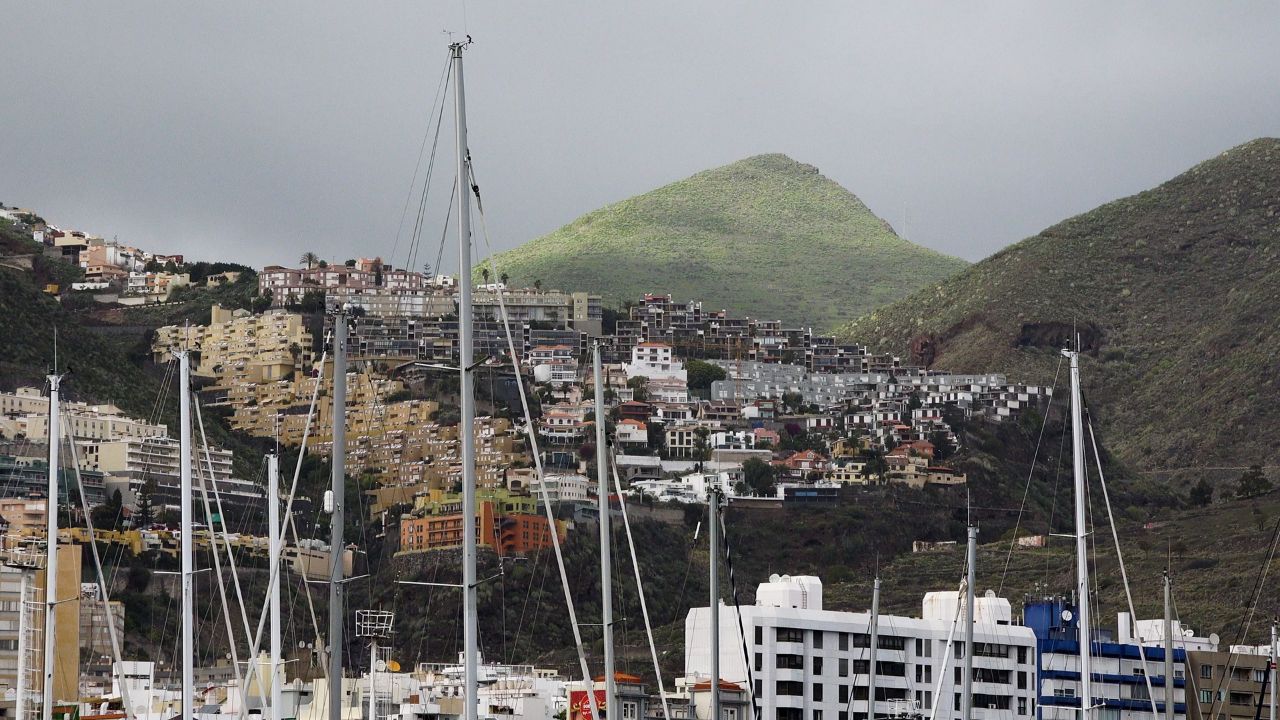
(791, 591)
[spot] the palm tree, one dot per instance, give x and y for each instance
(537, 284)
(484, 273)
(309, 258)
(504, 278)
(426, 269)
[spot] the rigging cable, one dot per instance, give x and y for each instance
(537, 456)
(737, 610)
(1124, 574)
(440, 87)
(1031, 471)
(644, 606)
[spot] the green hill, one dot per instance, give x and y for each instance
(766, 236)
(1174, 293)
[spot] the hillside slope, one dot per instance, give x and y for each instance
(1173, 292)
(766, 236)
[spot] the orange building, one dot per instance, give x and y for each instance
(507, 533)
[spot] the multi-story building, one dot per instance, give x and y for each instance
(508, 524)
(1123, 668)
(129, 464)
(1228, 685)
(95, 633)
(655, 361)
(15, 561)
(807, 663)
(25, 412)
(560, 361)
(24, 477)
(561, 488)
(240, 348)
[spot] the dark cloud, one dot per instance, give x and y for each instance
(260, 130)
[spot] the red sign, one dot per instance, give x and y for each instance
(580, 706)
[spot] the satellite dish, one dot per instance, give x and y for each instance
(302, 643)
(1213, 638)
(1066, 616)
(393, 666)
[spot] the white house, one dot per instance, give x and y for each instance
(655, 361)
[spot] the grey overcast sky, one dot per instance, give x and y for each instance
(255, 131)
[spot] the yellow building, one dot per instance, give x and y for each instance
(239, 348)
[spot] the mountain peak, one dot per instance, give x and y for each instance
(765, 236)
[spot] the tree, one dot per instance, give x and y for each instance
(701, 446)
(322, 264)
(309, 259)
(657, 437)
(350, 263)
(702, 374)
(537, 284)
(1201, 493)
(484, 273)
(1252, 483)
(639, 387)
(504, 277)
(759, 477)
(942, 446)
(791, 401)
(108, 515)
(145, 503)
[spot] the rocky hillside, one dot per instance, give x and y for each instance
(1173, 292)
(766, 236)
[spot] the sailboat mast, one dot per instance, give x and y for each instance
(713, 506)
(188, 571)
(337, 519)
(873, 644)
(470, 627)
(1082, 538)
(1168, 647)
(970, 580)
(51, 544)
(273, 552)
(606, 559)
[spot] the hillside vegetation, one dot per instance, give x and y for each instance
(766, 236)
(1173, 292)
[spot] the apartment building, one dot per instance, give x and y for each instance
(25, 413)
(97, 618)
(1122, 666)
(240, 348)
(15, 561)
(808, 663)
(508, 524)
(128, 464)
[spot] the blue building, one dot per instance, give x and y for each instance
(1118, 682)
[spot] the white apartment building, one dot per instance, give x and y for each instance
(807, 663)
(129, 463)
(26, 412)
(561, 488)
(655, 361)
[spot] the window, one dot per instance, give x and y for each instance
(817, 692)
(1241, 698)
(759, 635)
(843, 694)
(844, 641)
(843, 668)
(628, 711)
(784, 634)
(817, 715)
(817, 639)
(1022, 655)
(789, 687)
(759, 661)
(817, 666)
(789, 662)
(1064, 692)
(1022, 679)
(1259, 676)
(731, 714)
(1206, 696)
(759, 688)
(844, 715)
(788, 714)
(1022, 706)
(1206, 671)
(891, 642)
(959, 651)
(957, 701)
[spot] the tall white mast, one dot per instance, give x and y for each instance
(1168, 648)
(1272, 670)
(873, 644)
(970, 580)
(188, 571)
(337, 519)
(51, 544)
(713, 505)
(606, 560)
(1082, 538)
(20, 700)
(470, 626)
(273, 552)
